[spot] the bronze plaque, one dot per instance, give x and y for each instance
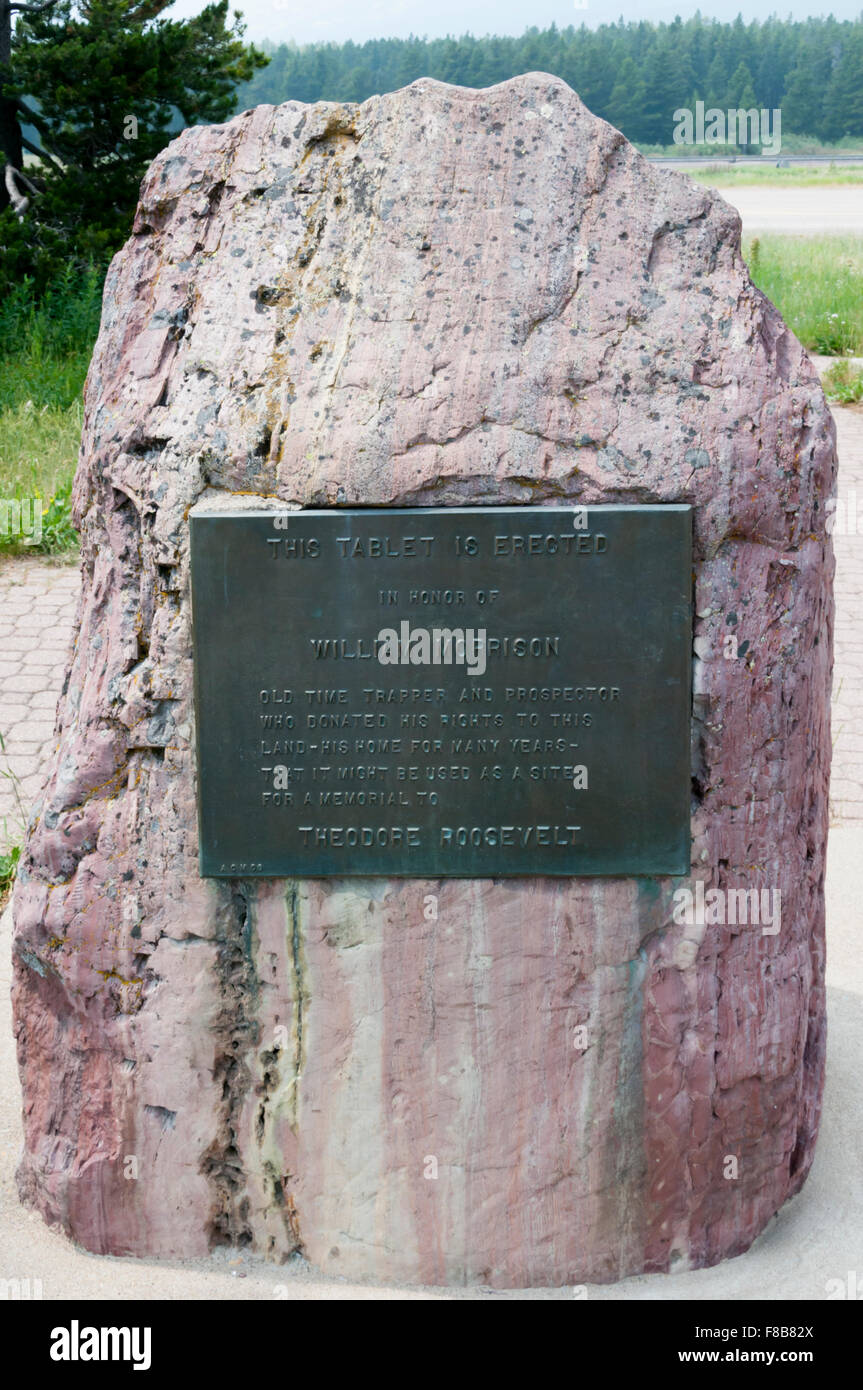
(464, 692)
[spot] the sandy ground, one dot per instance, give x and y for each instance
(817, 1238)
(807, 211)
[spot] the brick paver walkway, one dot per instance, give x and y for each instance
(37, 606)
(846, 783)
(37, 609)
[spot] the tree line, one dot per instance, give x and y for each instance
(92, 90)
(634, 75)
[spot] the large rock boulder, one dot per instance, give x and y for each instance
(452, 297)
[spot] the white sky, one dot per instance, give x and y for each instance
(338, 20)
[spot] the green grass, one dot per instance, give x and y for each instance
(816, 284)
(739, 175)
(8, 866)
(47, 344)
(793, 147)
(46, 347)
(38, 453)
(10, 834)
(843, 382)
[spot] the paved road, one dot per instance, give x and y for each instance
(804, 211)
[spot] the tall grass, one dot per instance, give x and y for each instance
(816, 284)
(843, 382)
(45, 347)
(46, 343)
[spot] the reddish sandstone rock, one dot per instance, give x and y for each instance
(439, 297)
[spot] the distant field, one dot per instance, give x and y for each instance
(816, 176)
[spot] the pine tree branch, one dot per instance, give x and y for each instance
(41, 154)
(20, 204)
(22, 178)
(17, 8)
(32, 116)
(34, 119)
(148, 9)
